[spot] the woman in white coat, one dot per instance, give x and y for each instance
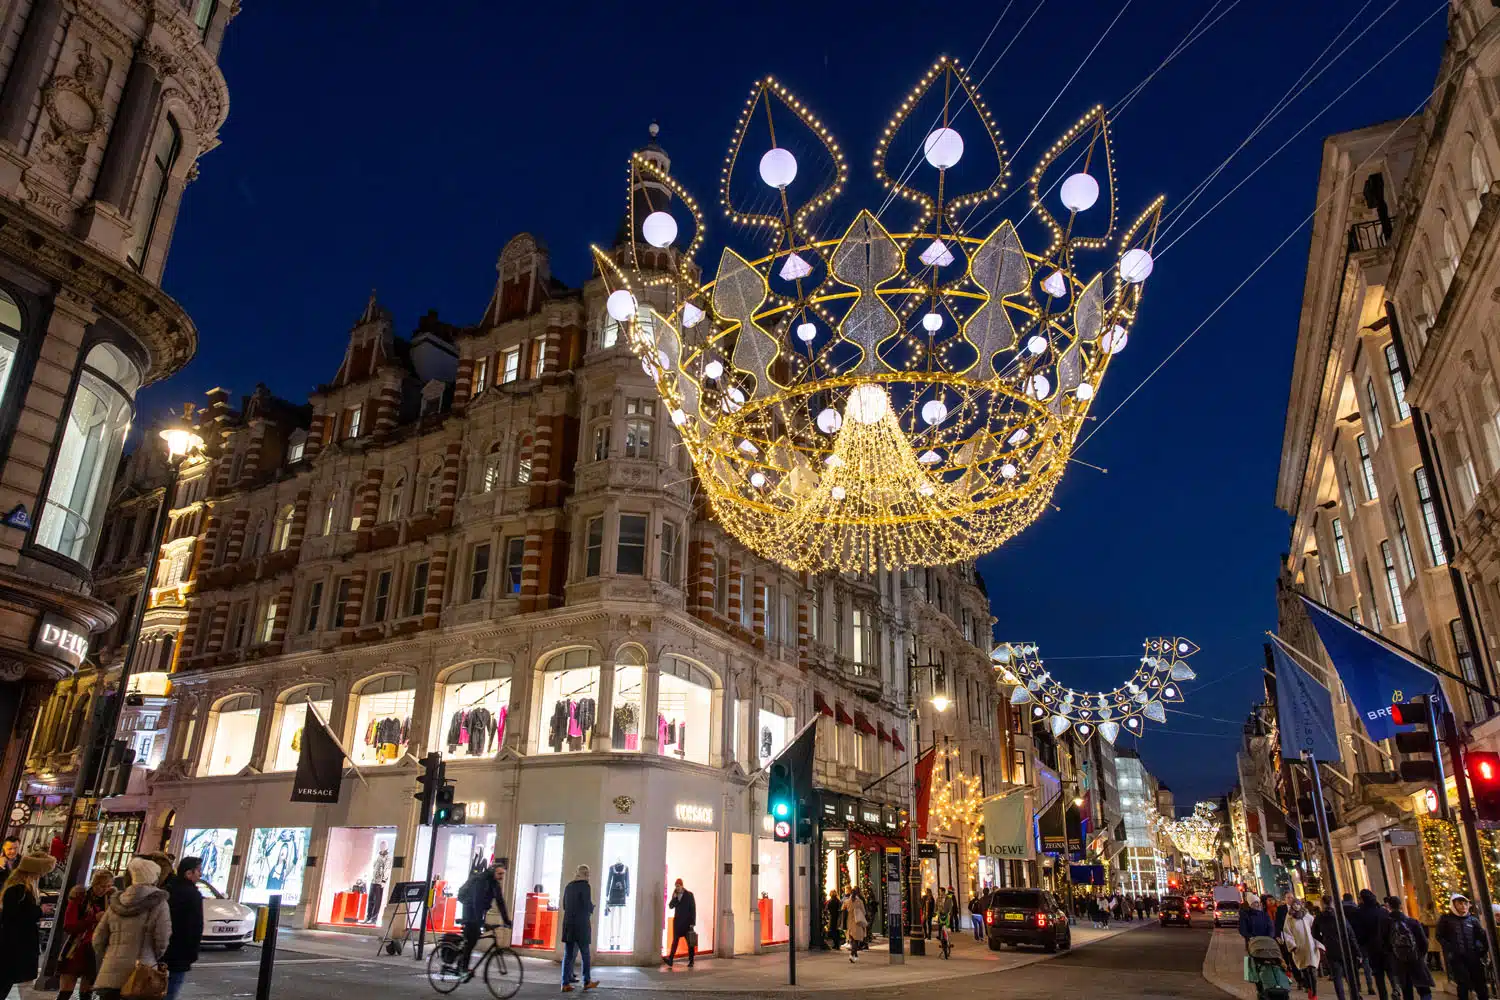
(858, 923)
(1297, 935)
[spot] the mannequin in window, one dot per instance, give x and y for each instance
(616, 898)
(380, 874)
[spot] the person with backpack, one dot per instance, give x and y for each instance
(1372, 929)
(1464, 948)
(1408, 954)
(485, 888)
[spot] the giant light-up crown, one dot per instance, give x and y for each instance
(881, 399)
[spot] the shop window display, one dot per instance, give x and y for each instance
(356, 874)
(215, 848)
(288, 737)
(693, 855)
(275, 863)
(382, 719)
(772, 857)
(475, 707)
(630, 685)
(461, 850)
(570, 702)
(619, 883)
(683, 711)
(773, 728)
(230, 739)
(538, 893)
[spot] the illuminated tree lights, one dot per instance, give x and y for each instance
(881, 399)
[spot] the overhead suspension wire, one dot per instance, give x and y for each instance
(1287, 239)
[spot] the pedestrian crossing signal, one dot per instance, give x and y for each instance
(779, 801)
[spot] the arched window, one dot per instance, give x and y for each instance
(431, 484)
(287, 739)
(570, 702)
(258, 537)
(153, 190)
(281, 535)
(84, 464)
(229, 739)
(10, 338)
(382, 718)
(684, 712)
(475, 704)
(523, 461)
(628, 721)
(393, 505)
(494, 463)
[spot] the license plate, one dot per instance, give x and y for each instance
(1015, 916)
(224, 928)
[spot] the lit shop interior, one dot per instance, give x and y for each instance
(356, 874)
(287, 733)
(382, 719)
(229, 739)
(475, 701)
(538, 885)
(461, 850)
(692, 855)
(619, 881)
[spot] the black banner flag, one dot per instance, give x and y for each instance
(320, 763)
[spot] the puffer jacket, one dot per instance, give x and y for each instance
(136, 927)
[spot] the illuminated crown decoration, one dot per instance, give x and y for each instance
(880, 399)
(1125, 709)
(1197, 835)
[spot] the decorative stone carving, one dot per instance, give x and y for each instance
(75, 119)
(12, 669)
(623, 804)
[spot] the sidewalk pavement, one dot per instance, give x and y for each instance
(749, 973)
(1224, 967)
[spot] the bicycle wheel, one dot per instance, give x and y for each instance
(442, 967)
(503, 973)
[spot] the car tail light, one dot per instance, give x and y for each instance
(1041, 920)
(989, 918)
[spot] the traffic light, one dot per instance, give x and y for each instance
(114, 775)
(781, 802)
(1484, 779)
(428, 784)
(446, 812)
(1416, 712)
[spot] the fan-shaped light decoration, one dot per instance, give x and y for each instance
(1199, 836)
(868, 323)
(1143, 696)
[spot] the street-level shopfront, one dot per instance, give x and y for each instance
(638, 823)
(855, 837)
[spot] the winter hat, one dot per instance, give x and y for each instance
(37, 864)
(142, 871)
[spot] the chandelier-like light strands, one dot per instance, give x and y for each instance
(913, 397)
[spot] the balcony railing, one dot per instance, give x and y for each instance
(1370, 235)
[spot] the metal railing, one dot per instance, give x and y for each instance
(1370, 235)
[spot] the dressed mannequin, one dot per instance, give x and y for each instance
(380, 874)
(616, 898)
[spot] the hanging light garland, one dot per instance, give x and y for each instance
(956, 808)
(1157, 682)
(876, 398)
(1198, 836)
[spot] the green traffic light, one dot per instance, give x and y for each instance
(782, 809)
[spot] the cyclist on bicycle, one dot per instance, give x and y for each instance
(485, 888)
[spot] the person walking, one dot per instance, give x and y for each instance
(76, 966)
(835, 911)
(1464, 948)
(483, 889)
(577, 932)
(185, 903)
(1407, 957)
(21, 920)
(1358, 959)
(1253, 921)
(684, 918)
(1297, 937)
(1331, 930)
(948, 911)
(929, 910)
(859, 924)
(977, 905)
(1372, 929)
(136, 929)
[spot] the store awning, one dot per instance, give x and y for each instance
(862, 724)
(820, 705)
(840, 716)
(861, 841)
(884, 736)
(896, 741)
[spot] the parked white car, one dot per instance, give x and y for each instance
(225, 922)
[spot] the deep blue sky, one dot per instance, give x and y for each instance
(370, 146)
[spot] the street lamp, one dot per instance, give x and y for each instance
(82, 829)
(940, 702)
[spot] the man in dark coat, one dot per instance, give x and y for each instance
(483, 890)
(1351, 911)
(1464, 947)
(185, 903)
(577, 932)
(1372, 928)
(1407, 954)
(1330, 928)
(684, 916)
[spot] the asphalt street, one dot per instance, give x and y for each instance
(1148, 963)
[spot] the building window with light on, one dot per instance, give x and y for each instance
(353, 419)
(512, 361)
(1367, 467)
(267, 622)
(481, 375)
(1436, 554)
(1340, 546)
(538, 357)
(1392, 583)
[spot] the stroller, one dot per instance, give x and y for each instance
(1263, 968)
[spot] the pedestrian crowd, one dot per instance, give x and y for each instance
(134, 938)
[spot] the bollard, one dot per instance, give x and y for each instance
(268, 949)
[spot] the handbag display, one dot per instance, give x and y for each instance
(145, 982)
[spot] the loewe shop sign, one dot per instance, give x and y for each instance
(59, 637)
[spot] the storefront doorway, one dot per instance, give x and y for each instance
(539, 859)
(693, 856)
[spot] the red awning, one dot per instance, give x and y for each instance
(861, 841)
(885, 737)
(862, 724)
(840, 716)
(896, 740)
(820, 705)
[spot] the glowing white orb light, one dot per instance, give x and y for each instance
(1079, 193)
(829, 421)
(1038, 386)
(868, 404)
(806, 332)
(943, 148)
(758, 479)
(1008, 471)
(1136, 265)
(1037, 344)
(837, 492)
(660, 229)
(620, 305)
(932, 322)
(778, 168)
(1084, 391)
(934, 411)
(1114, 341)
(713, 369)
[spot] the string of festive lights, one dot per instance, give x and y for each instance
(884, 398)
(956, 808)
(1199, 836)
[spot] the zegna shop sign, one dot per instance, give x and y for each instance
(60, 638)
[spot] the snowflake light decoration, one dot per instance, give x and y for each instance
(1157, 682)
(874, 398)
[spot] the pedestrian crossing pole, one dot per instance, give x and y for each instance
(1332, 877)
(791, 896)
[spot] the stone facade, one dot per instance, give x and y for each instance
(105, 108)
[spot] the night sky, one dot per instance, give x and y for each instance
(368, 147)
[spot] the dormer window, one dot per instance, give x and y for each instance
(296, 447)
(353, 417)
(481, 375)
(512, 359)
(432, 398)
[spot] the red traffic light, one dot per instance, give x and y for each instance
(1484, 767)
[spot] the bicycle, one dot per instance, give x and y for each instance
(449, 967)
(945, 943)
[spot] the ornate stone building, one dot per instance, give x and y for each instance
(105, 107)
(485, 541)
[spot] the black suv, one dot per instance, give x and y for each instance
(1027, 916)
(1174, 910)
